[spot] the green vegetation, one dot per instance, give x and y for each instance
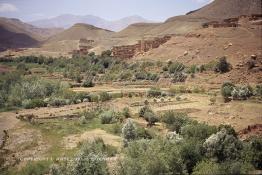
(222, 66)
(91, 159)
(238, 92)
(175, 121)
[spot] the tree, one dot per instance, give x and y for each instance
(222, 146)
(198, 131)
(190, 151)
(175, 121)
(151, 157)
(90, 160)
(129, 132)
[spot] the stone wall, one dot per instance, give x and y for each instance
(129, 51)
(232, 22)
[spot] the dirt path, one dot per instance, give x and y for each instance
(112, 89)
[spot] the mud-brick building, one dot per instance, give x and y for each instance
(84, 45)
(129, 51)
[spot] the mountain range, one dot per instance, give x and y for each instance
(67, 20)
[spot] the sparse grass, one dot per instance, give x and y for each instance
(32, 168)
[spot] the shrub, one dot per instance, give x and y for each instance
(116, 128)
(226, 89)
(222, 146)
(190, 151)
(37, 168)
(106, 53)
(152, 157)
(143, 110)
(82, 120)
(57, 102)
(222, 66)
(179, 77)
(253, 152)
(107, 117)
(197, 131)
(90, 159)
(193, 69)
(175, 121)
(22, 67)
(151, 118)
(89, 115)
(229, 129)
(143, 133)
(129, 132)
(258, 90)
(152, 77)
(30, 104)
(176, 67)
(93, 97)
(154, 92)
(104, 96)
(141, 75)
(242, 92)
(207, 167)
(126, 112)
(88, 83)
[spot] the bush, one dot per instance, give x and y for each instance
(141, 75)
(190, 151)
(175, 121)
(226, 89)
(253, 152)
(126, 112)
(152, 157)
(116, 128)
(22, 67)
(151, 118)
(57, 102)
(207, 167)
(176, 67)
(104, 96)
(93, 97)
(143, 110)
(154, 92)
(222, 146)
(90, 159)
(82, 120)
(242, 92)
(222, 66)
(258, 91)
(34, 103)
(36, 168)
(143, 133)
(197, 131)
(179, 77)
(88, 83)
(229, 129)
(129, 132)
(107, 117)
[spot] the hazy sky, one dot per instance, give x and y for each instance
(159, 10)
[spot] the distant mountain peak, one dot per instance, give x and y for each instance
(68, 20)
